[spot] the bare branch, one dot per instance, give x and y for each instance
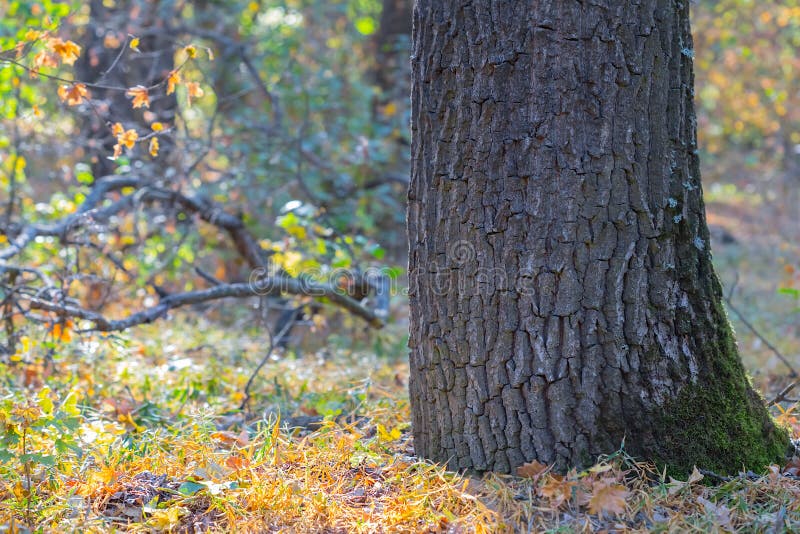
(264, 286)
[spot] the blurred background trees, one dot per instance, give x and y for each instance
(301, 133)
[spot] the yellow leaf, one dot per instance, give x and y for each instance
(134, 44)
(191, 51)
(167, 519)
(153, 149)
(45, 402)
(390, 109)
(140, 96)
(70, 404)
(157, 126)
(172, 80)
(193, 90)
(66, 50)
(37, 112)
(128, 138)
(73, 94)
(32, 35)
(384, 435)
(26, 413)
(607, 496)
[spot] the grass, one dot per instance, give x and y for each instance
(147, 437)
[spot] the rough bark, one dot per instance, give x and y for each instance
(563, 299)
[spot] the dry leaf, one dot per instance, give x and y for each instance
(172, 80)
(557, 490)
(128, 138)
(140, 96)
(193, 90)
(66, 50)
(608, 496)
(73, 94)
(532, 470)
(153, 149)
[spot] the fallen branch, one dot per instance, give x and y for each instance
(263, 287)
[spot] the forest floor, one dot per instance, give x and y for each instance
(143, 432)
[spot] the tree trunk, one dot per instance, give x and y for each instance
(563, 300)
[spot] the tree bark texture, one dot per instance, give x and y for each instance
(562, 295)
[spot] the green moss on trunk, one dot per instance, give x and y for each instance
(719, 422)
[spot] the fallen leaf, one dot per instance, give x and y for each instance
(557, 490)
(532, 470)
(608, 496)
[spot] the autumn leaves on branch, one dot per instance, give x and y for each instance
(112, 196)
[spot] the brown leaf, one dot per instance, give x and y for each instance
(607, 496)
(532, 470)
(557, 490)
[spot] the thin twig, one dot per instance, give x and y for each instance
(775, 351)
(272, 341)
(782, 396)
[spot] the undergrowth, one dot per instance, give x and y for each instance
(107, 434)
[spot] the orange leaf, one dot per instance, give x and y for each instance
(173, 79)
(73, 94)
(557, 490)
(62, 332)
(193, 91)
(117, 129)
(140, 96)
(607, 496)
(67, 50)
(230, 439)
(128, 138)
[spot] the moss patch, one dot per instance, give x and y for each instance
(719, 422)
(722, 426)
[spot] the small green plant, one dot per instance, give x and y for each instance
(35, 435)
